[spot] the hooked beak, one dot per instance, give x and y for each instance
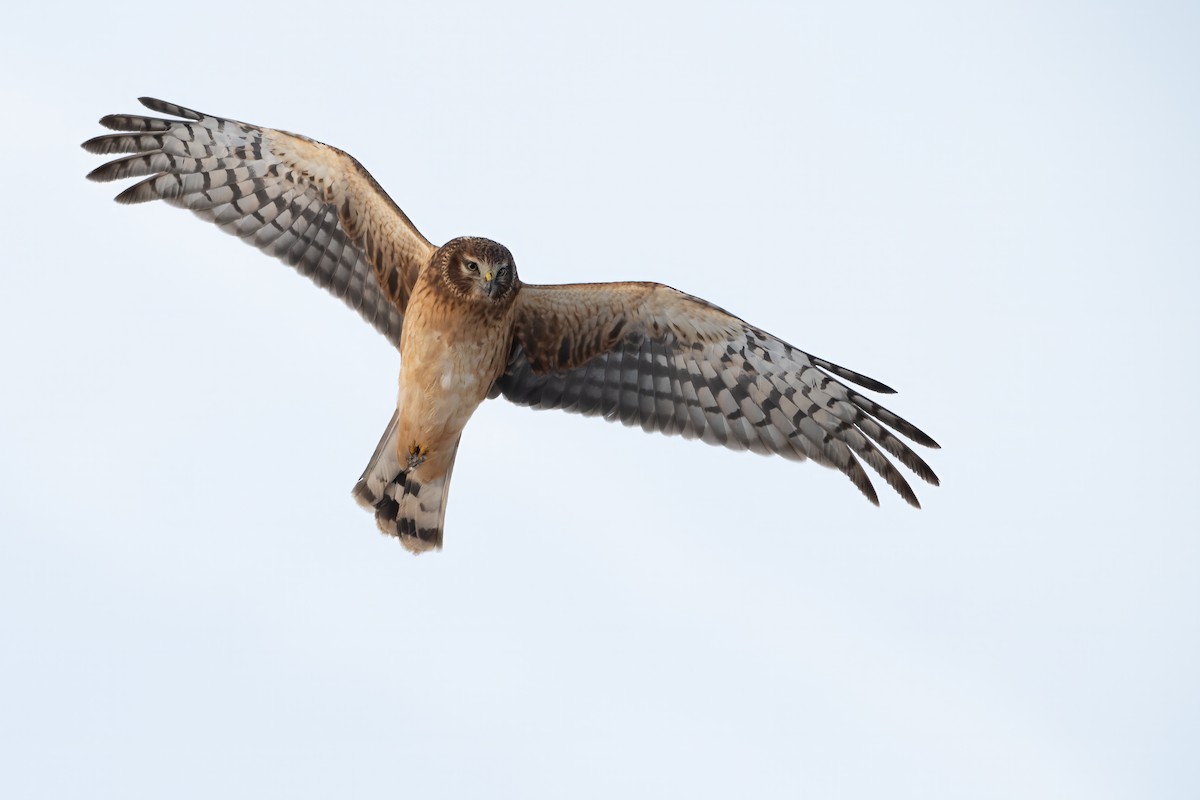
(488, 283)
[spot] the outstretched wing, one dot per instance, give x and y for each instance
(304, 202)
(649, 355)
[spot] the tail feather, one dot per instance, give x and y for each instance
(414, 511)
(406, 505)
(381, 469)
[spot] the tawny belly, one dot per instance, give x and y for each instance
(440, 387)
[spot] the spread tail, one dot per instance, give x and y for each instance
(406, 505)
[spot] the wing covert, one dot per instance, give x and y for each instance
(308, 204)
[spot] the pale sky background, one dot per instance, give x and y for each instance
(994, 208)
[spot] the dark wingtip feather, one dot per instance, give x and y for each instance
(111, 143)
(858, 476)
(114, 170)
(141, 192)
(852, 376)
(114, 122)
(163, 107)
(893, 419)
(135, 123)
(921, 437)
(897, 482)
(870, 383)
(922, 470)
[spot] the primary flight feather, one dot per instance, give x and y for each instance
(468, 328)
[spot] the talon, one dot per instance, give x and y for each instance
(416, 455)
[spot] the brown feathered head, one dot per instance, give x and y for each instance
(477, 269)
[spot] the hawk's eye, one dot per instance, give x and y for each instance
(502, 272)
(472, 266)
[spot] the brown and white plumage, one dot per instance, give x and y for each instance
(306, 203)
(641, 353)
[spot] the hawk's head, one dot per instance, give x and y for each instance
(477, 269)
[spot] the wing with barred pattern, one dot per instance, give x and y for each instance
(649, 355)
(308, 204)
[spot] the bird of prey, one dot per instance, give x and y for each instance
(469, 329)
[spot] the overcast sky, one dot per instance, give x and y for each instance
(993, 208)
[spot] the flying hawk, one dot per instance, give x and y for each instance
(469, 329)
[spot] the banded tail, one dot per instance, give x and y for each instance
(406, 505)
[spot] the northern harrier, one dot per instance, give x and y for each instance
(468, 329)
